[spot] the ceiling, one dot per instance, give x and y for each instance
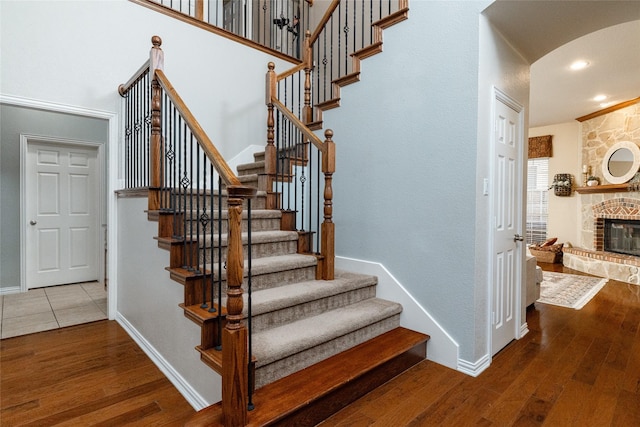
(553, 34)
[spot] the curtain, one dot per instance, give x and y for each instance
(540, 146)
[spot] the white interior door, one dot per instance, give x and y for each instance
(62, 219)
(507, 209)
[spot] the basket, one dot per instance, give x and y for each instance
(551, 254)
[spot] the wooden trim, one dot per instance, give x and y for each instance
(609, 110)
(213, 29)
(399, 15)
(291, 71)
(144, 69)
(133, 192)
(607, 188)
(301, 126)
(210, 150)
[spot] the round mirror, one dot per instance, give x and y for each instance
(621, 162)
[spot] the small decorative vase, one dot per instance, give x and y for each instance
(592, 183)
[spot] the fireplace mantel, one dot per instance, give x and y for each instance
(608, 188)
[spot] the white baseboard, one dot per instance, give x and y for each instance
(441, 347)
(10, 290)
(524, 330)
(474, 368)
(189, 393)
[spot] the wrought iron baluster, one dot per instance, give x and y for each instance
(189, 182)
(346, 37)
(147, 129)
(319, 197)
(204, 220)
(249, 302)
(219, 346)
(198, 270)
(212, 309)
(183, 185)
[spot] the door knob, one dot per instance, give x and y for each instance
(32, 222)
(518, 238)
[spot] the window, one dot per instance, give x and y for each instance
(537, 200)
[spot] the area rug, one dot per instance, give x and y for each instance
(569, 290)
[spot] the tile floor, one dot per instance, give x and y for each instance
(54, 307)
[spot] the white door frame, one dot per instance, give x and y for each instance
(25, 140)
(498, 96)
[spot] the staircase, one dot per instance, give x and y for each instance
(318, 339)
(304, 331)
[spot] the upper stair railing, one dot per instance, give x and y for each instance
(295, 158)
(274, 24)
(167, 151)
(347, 32)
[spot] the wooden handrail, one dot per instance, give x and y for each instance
(298, 124)
(194, 21)
(125, 87)
(210, 150)
(327, 15)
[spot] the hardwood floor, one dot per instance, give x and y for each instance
(574, 367)
(91, 374)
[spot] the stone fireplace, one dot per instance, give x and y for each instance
(600, 131)
(593, 257)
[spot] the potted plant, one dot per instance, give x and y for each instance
(593, 180)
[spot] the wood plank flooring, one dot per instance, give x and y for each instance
(91, 374)
(574, 367)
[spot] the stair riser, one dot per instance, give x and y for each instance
(258, 169)
(281, 368)
(257, 224)
(205, 202)
(258, 282)
(312, 308)
(251, 181)
(258, 250)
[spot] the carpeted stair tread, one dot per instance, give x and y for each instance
(272, 264)
(344, 378)
(280, 342)
(249, 166)
(281, 297)
(257, 237)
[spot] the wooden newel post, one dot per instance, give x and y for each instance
(328, 227)
(156, 62)
(307, 112)
(234, 336)
(270, 150)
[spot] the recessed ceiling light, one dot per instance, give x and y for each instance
(599, 98)
(579, 65)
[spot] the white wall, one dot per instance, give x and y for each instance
(17, 120)
(148, 307)
(406, 142)
(564, 212)
(78, 52)
(502, 67)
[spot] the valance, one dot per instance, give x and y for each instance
(540, 146)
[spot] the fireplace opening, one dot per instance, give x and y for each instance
(622, 236)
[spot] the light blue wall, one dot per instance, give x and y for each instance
(405, 193)
(14, 121)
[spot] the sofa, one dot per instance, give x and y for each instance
(533, 279)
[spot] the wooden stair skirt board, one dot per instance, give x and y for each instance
(310, 396)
